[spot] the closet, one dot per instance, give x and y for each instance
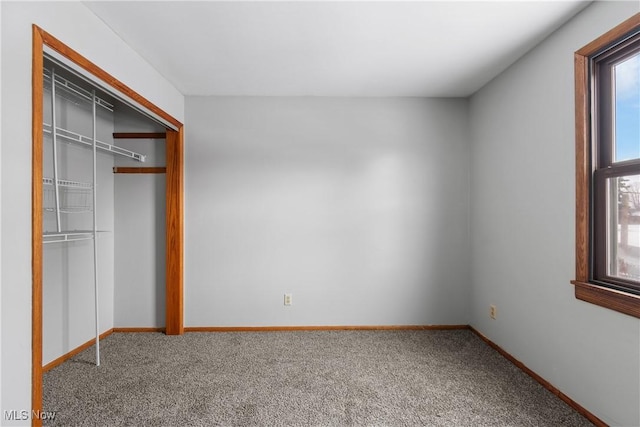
(103, 213)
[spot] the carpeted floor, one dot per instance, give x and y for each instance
(325, 378)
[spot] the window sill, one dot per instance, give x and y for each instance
(622, 302)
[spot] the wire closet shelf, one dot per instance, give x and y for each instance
(74, 197)
(77, 138)
(64, 196)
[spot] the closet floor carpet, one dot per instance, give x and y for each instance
(319, 378)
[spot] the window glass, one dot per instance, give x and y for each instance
(623, 238)
(627, 109)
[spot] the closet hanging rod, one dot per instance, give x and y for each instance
(77, 90)
(152, 169)
(139, 135)
(85, 140)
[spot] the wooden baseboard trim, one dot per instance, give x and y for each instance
(60, 360)
(126, 330)
(322, 328)
(546, 384)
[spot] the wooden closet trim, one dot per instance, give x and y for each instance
(37, 93)
(175, 232)
(89, 66)
(174, 214)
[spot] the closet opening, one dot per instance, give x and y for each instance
(107, 209)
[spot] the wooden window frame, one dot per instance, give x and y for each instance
(174, 202)
(586, 288)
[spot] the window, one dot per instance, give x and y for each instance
(607, 73)
(608, 169)
(616, 158)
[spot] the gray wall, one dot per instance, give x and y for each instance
(359, 207)
(139, 229)
(523, 229)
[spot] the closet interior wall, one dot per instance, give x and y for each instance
(140, 236)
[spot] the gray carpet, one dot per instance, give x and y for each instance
(326, 378)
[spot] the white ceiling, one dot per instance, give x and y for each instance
(337, 48)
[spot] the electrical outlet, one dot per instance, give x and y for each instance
(493, 312)
(288, 299)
